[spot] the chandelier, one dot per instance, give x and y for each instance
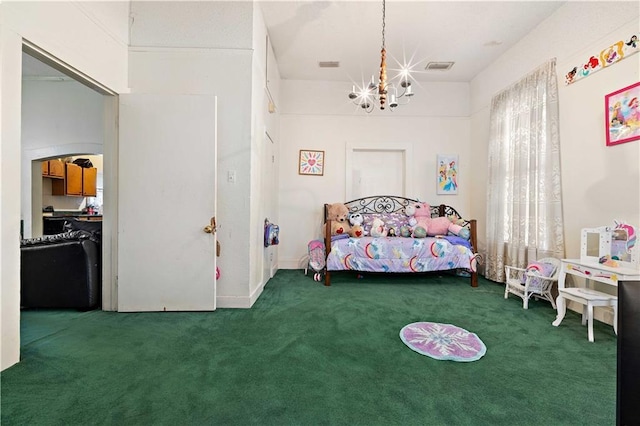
(365, 97)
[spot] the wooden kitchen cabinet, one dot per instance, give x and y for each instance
(78, 182)
(89, 178)
(53, 169)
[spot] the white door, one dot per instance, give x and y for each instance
(377, 172)
(378, 169)
(167, 196)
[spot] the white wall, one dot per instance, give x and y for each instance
(192, 24)
(264, 193)
(234, 111)
(217, 63)
(101, 52)
(599, 183)
(588, 167)
(319, 116)
(10, 54)
(59, 119)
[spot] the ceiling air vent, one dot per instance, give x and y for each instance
(329, 64)
(439, 66)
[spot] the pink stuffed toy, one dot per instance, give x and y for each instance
(423, 224)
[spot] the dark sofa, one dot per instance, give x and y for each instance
(62, 270)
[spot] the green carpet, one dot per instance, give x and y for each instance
(308, 354)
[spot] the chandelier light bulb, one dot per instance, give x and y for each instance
(372, 84)
(393, 101)
(353, 95)
(409, 91)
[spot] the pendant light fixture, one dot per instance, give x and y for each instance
(366, 97)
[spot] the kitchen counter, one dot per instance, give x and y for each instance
(53, 222)
(77, 214)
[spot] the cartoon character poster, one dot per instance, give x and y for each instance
(622, 115)
(447, 174)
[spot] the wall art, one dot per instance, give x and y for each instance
(622, 115)
(311, 162)
(447, 174)
(606, 57)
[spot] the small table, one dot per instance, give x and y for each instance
(590, 271)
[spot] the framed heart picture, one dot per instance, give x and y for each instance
(311, 162)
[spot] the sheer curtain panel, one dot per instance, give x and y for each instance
(524, 197)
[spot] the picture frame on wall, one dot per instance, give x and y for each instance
(447, 174)
(622, 115)
(311, 162)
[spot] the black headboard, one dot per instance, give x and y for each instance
(392, 204)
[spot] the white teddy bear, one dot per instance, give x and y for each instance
(378, 229)
(357, 230)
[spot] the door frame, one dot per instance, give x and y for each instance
(407, 154)
(110, 172)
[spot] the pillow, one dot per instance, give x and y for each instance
(538, 268)
(542, 269)
(92, 226)
(58, 238)
(391, 220)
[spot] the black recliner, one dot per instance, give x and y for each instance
(61, 271)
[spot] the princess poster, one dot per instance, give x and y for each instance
(622, 115)
(447, 178)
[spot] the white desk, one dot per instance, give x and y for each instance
(590, 271)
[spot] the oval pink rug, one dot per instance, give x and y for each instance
(443, 341)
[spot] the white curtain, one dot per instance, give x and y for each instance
(524, 198)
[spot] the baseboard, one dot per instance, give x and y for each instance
(239, 302)
(291, 263)
(235, 302)
(256, 293)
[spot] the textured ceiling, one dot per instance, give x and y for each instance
(471, 34)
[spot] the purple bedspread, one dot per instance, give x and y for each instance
(398, 254)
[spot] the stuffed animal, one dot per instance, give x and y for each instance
(356, 220)
(357, 231)
(424, 225)
(464, 232)
(338, 213)
(378, 229)
(405, 231)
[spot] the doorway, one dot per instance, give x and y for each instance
(74, 115)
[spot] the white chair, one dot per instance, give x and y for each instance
(591, 298)
(534, 285)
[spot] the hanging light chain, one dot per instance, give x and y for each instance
(383, 22)
(382, 85)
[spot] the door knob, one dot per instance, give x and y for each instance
(211, 229)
